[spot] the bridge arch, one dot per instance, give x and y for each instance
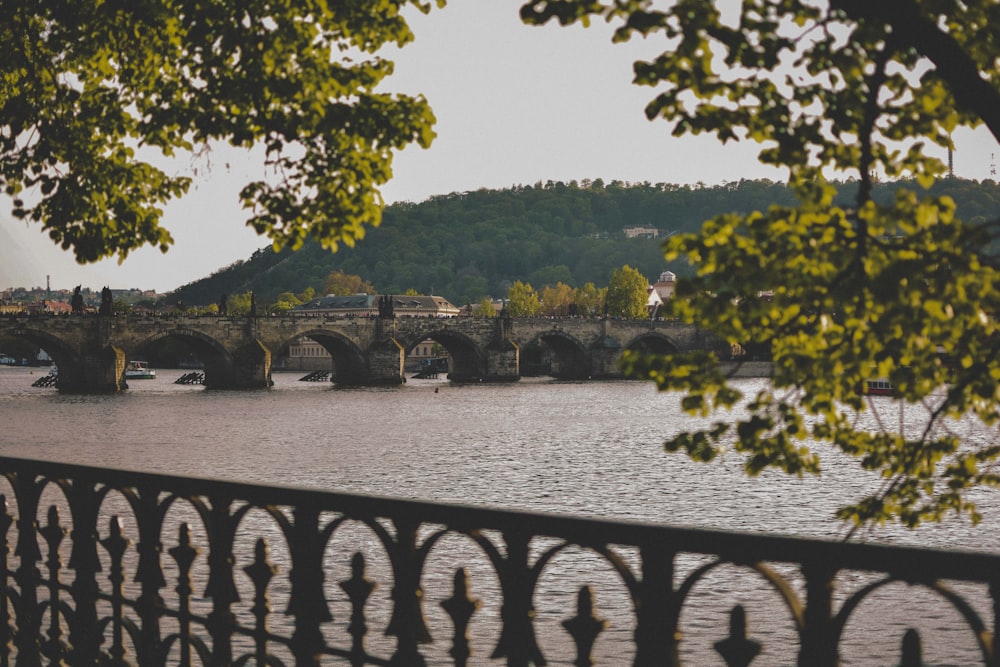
(219, 362)
(468, 360)
(568, 357)
(653, 342)
(349, 364)
(67, 361)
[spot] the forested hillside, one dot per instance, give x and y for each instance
(465, 246)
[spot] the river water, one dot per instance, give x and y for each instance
(591, 448)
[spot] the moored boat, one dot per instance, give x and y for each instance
(139, 370)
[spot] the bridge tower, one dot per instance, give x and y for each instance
(87, 358)
(386, 356)
(503, 356)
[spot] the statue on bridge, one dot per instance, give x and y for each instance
(224, 304)
(76, 303)
(385, 307)
(107, 302)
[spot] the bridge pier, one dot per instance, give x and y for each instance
(386, 361)
(503, 362)
(249, 368)
(604, 356)
(99, 373)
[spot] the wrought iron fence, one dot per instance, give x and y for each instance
(112, 567)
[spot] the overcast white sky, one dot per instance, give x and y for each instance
(515, 105)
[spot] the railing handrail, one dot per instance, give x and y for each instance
(901, 561)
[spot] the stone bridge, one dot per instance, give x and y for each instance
(91, 351)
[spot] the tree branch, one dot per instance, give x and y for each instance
(958, 70)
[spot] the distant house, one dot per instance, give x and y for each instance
(641, 232)
(653, 302)
(37, 307)
(664, 287)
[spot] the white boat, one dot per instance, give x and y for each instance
(139, 370)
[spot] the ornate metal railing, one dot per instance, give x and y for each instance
(113, 567)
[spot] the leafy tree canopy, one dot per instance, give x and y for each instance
(339, 283)
(92, 93)
(484, 308)
(627, 294)
(522, 300)
(589, 300)
(869, 289)
(285, 301)
(239, 304)
(556, 299)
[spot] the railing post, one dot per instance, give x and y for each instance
(27, 611)
(6, 627)
(54, 648)
(85, 563)
(358, 589)
(260, 572)
(517, 634)
(460, 607)
(407, 623)
(912, 650)
(584, 627)
(184, 554)
(149, 574)
(221, 586)
(116, 544)
(995, 643)
(737, 649)
(308, 598)
(819, 646)
(657, 636)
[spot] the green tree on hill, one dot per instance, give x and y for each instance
(339, 283)
(556, 300)
(627, 294)
(868, 288)
(589, 301)
(284, 303)
(484, 308)
(239, 304)
(522, 300)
